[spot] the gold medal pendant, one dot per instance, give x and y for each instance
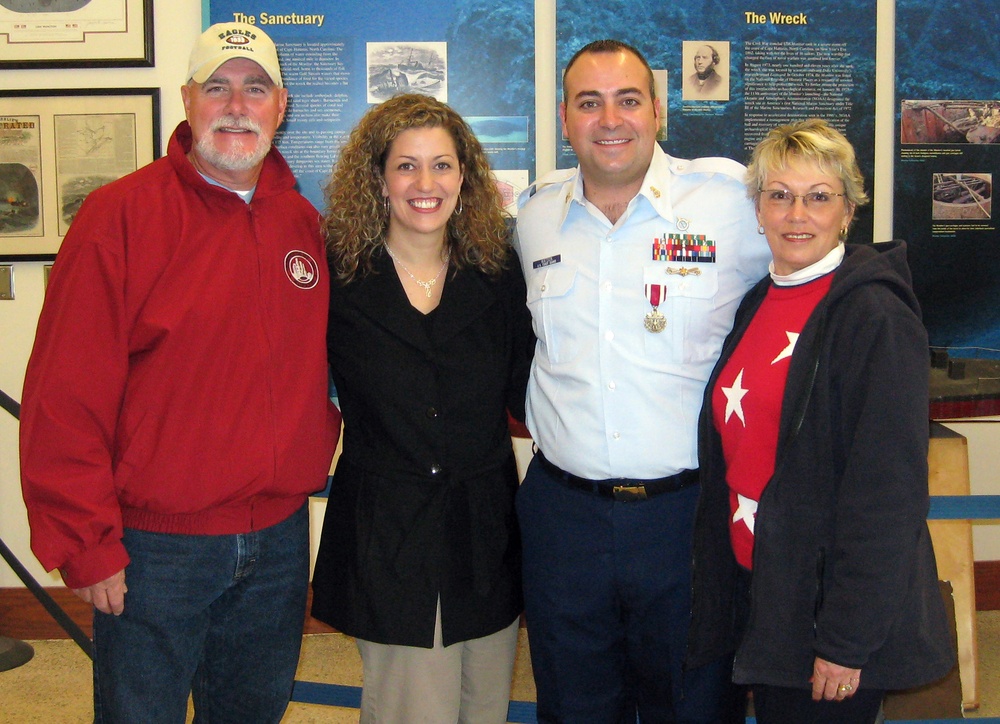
(654, 321)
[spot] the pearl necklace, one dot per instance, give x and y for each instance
(426, 286)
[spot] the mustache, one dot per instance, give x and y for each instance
(240, 122)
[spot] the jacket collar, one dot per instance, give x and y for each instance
(381, 297)
(275, 177)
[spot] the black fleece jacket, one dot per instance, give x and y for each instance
(843, 563)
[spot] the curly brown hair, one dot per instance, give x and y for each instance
(356, 220)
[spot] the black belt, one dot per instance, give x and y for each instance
(621, 489)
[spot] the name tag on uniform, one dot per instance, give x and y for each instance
(547, 261)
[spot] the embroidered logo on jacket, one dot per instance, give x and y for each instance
(301, 269)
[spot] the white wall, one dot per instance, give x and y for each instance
(17, 329)
(982, 436)
(176, 23)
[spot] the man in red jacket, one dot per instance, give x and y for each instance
(175, 416)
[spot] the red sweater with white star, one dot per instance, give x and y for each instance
(746, 401)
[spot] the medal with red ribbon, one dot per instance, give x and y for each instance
(654, 321)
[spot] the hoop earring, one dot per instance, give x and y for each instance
(760, 229)
(843, 233)
(460, 208)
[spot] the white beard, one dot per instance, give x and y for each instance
(234, 159)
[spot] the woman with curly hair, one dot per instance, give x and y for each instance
(429, 345)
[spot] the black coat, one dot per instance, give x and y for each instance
(843, 563)
(422, 500)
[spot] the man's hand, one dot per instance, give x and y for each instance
(108, 596)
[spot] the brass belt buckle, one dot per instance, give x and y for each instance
(629, 492)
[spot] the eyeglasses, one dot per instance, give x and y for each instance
(781, 199)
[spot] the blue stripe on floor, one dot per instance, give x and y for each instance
(312, 692)
(520, 712)
(962, 507)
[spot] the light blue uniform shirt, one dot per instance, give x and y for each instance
(607, 398)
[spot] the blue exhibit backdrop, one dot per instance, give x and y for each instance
(769, 66)
(478, 55)
(948, 156)
(774, 66)
(339, 58)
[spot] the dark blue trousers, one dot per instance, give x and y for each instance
(777, 705)
(607, 603)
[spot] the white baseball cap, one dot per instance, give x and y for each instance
(225, 41)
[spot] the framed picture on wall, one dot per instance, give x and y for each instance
(76, 33)
(56, 146)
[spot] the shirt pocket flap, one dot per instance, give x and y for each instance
(552, 282)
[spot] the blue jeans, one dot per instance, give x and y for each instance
(219, 617)
(607, 593)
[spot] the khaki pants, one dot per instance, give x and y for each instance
(467, 682)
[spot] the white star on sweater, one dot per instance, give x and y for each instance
(793, 337)
(734, 398)
(745, 511)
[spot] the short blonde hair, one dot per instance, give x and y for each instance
(810, 140)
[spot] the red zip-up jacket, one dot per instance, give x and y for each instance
(178, 382)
